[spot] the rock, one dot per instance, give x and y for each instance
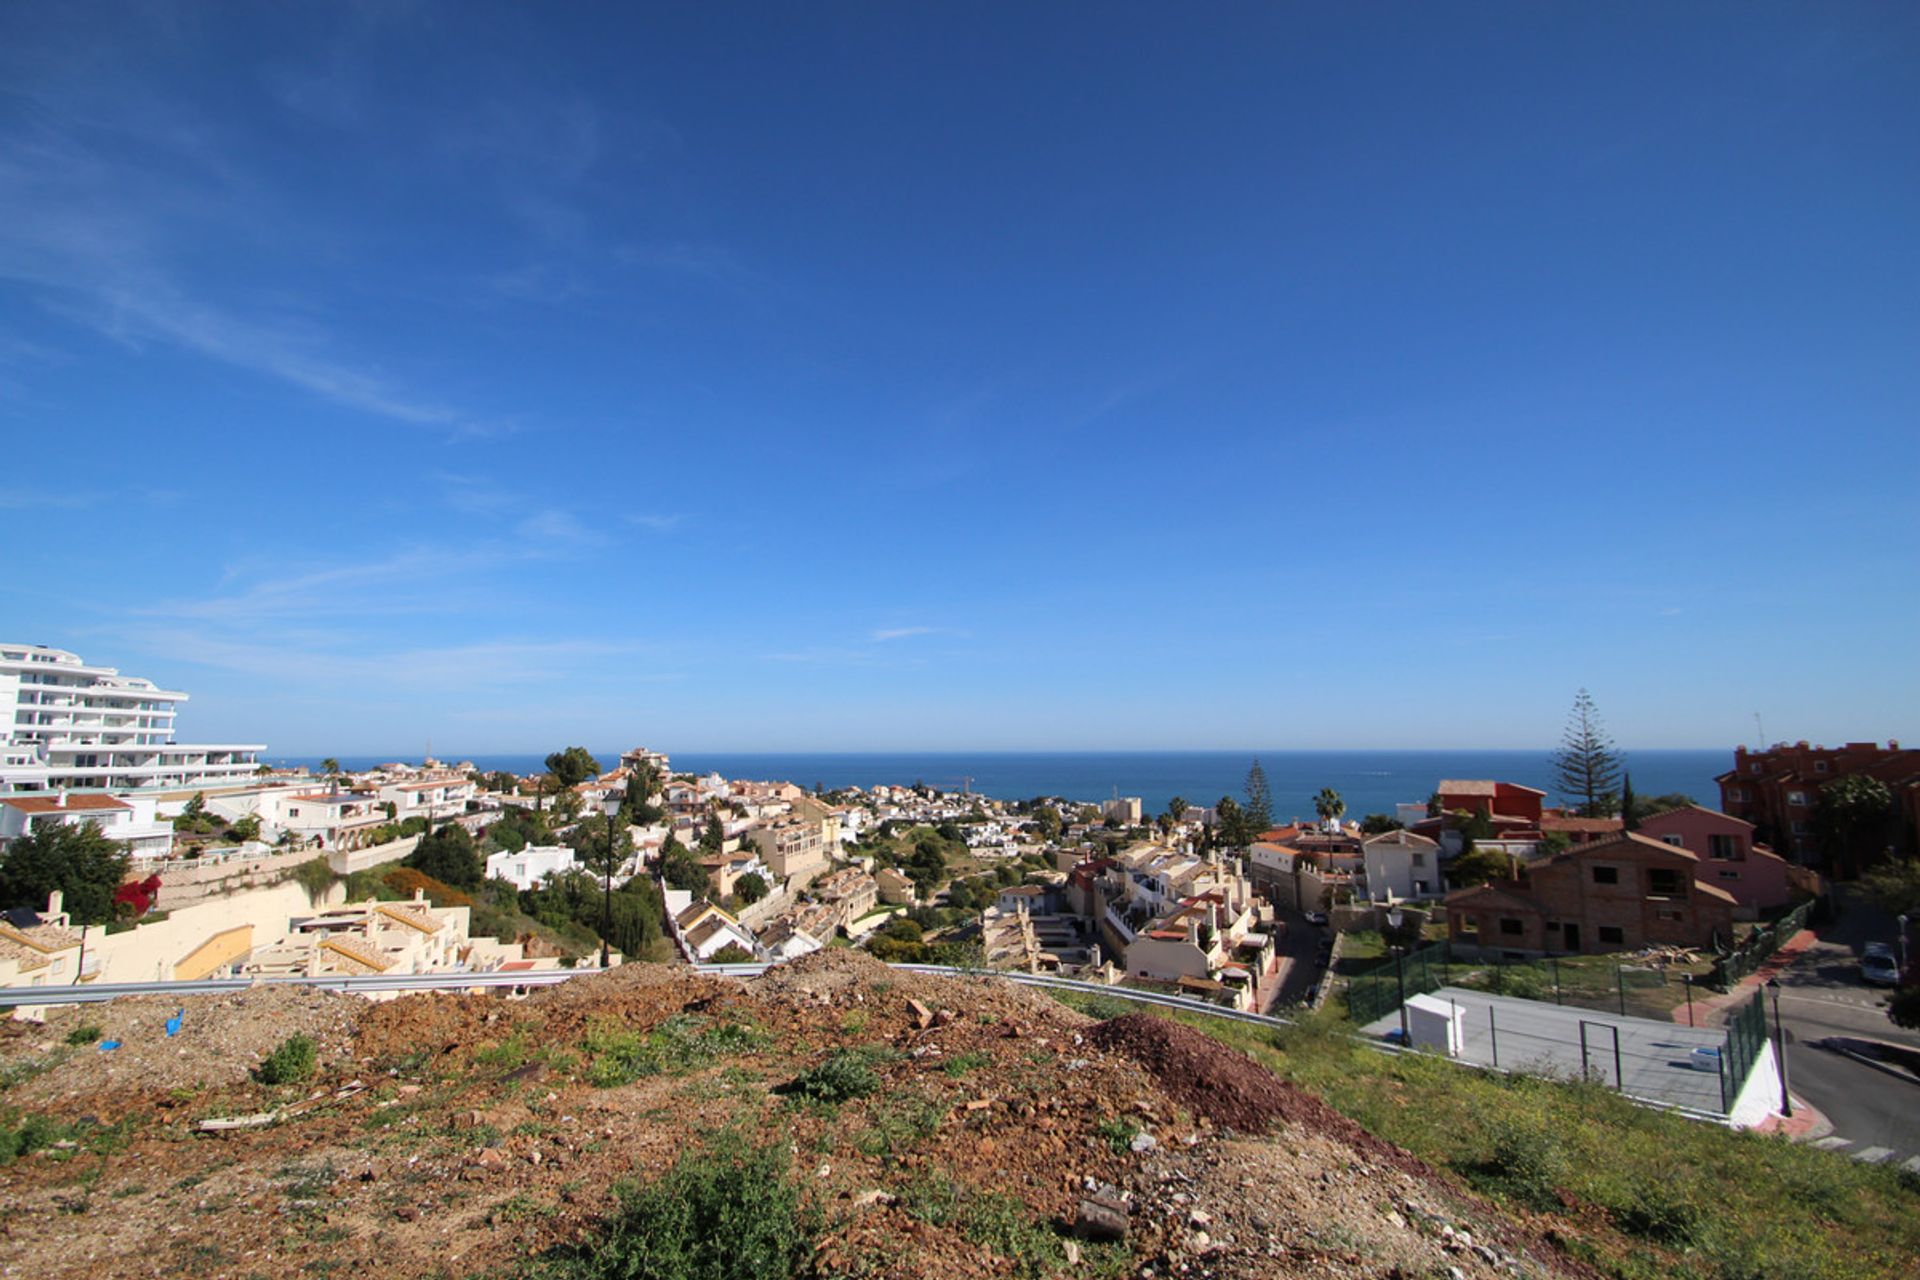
(875, 1196)
(922, 1016)
(942, 1017)
(407, 1213)
(1199, 1218)
(1073, 1254)
(1101, 1219)
(1143, 1143)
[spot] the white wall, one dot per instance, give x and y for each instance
(148, 952)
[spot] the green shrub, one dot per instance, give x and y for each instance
(1118, 1133)
(729, 1212)
(1527, 1162)
(844, 1075)
(682, 1043)
(84, 1034)
(294, 1061)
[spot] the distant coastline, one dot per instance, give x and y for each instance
(1369, 781)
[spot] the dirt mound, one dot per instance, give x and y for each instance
(219, 1042)
(1230, 1088)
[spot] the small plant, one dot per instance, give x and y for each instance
(84, 1034)
(729, 1212)
(1118, 1133)
(960, 1064)
(844, 1075)
(295, 1060)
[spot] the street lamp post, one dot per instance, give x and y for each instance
(1394, 917)
(1687, 978)
(612, 808)
(1780, 1049)
(1903, 948)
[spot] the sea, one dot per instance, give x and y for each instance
(1368, 781)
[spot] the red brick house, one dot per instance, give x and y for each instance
(1778, 789)
(1615, 895)
(1513, 811)
(1758, 878)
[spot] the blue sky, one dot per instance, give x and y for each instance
(819, 377)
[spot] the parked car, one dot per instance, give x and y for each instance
(1879, 970)
(1882, 949)
(1317, 917)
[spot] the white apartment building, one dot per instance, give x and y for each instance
(66, 724)
(133, 822)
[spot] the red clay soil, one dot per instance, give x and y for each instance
(1231, 1089)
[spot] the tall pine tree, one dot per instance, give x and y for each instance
(1587, 765)
(1259, 810)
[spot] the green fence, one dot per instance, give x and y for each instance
(1746, 1040)
(1760, 944)
(1374, 993)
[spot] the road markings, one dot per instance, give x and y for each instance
(1872, 1155)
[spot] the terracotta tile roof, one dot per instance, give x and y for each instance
(407, 914)
(74, 804)
(1580, 824)
(1467, 787)
(43, 938)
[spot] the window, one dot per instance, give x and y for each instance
(1663, 882)
(1421, 887)
(1611, 933)
(1467, 926)
(1511, 927)
(1725, 848)
(1675, 841)
(1819, 766)
(1797, 798)
(1729, 875)
(1606, 875)
(1419, 859)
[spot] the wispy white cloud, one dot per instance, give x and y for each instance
(36, 499)
(885, 634)
(555, 524)
(657, 521)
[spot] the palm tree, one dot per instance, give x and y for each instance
(1177, 808)
(331, 768)
(1329, 805)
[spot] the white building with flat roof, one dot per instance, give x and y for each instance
(66, 725)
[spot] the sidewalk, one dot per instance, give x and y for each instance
(1806, 1123)
(1706, 1005)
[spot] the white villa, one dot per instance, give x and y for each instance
(71, 725)
(527, 867)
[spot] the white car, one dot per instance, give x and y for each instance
(1879, 970)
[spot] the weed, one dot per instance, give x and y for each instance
(898, 1124)
(295, 1060)
(682, 1043)
(729, 1212)
(855, 1022)
(960, 1064)
(1118, 1132)
(84, 1034)
(843, 1075)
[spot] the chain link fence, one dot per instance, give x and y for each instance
(1760, 944)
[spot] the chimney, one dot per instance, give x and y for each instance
(56, 904)
(60, 800)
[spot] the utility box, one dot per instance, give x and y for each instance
(1433, 1023)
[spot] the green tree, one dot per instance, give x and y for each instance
(1896, 886)
(78, 861)
(567, 804)
(331, 768)
(1231, 825)
(681, 869)
(1478, 867)
(1629, 813)
(1177, 808)
(572, 766)
(1329, 805)
(751, 887)
(449, 856)
(1904, 1009)
(732, 953)
(1853, 824)
(713, 838)
(1375, 824)
(1050, 822)
(1259, 798)
(503, 782)
(588, 839)
(636, 800)
(1587, 766)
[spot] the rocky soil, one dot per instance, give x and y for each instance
(466, 1134)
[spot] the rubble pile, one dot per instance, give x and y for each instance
(999, 1134)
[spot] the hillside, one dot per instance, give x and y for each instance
(455, 1135)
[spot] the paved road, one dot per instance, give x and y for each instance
(1875, 1116)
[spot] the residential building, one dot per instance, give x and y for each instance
(1617, 895)
(1759, 879)
(1400, 866)
(132, 821)
(793, 849)
(893, 886)
(702, 929)
(852, 892)
(529, 867)
(1778, 790)
(360, 938)
(37, 950)
(434, 799)
(1129, 810)
(333, 819)
(65, 724)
